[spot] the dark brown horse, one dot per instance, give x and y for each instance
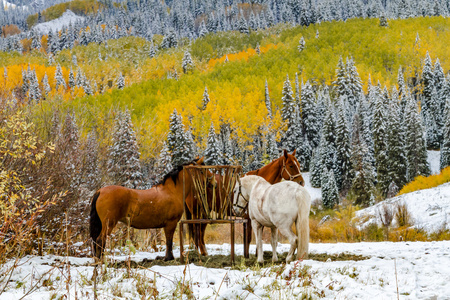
(285, 167)
(158, 207)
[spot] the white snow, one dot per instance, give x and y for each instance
(315, 193)
(434, 161)
(57, 24)
(430, 208)
(419, 270)
(6, 4)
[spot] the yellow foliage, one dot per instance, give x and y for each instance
(421, 182)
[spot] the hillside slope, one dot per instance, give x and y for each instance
(430, 209)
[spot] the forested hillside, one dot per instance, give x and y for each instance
(360, 90)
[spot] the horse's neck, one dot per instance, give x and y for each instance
(270, 172)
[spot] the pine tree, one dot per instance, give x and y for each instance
(415, 143)
(212, 152)
(71, 81)
(164, 161)
(187, 64)
(120, 81)
(330, 195)
(67, 146)
(202, 31)
(341, 79)
(343, 149)
(301, 45)
(310, 117)
(294, 133)
(205, 99)
(91, 169)
(315, 167)
(169, 40)
(226, 157)
(362, 189)
(178, 142)
(380, 145)
(395, 144)
(445, 146)
(35, 40)
(46, 85)
(267, 100)
(297, 91)
(59, 78)
(124, 165)
(288, 109)
(242, 25)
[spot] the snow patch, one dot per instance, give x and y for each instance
(315, 193)
(421, 273)
(67, 18)
(430, 208)
(434, 161)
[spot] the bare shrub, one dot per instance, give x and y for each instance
(386, 216)
(403, 216)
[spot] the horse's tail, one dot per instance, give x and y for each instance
(304, 206)
(95, 223)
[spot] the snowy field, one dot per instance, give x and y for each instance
(67, 18)
(411, 270)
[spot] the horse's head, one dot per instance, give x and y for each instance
(291, 168)
(240, 201)
(241, 193)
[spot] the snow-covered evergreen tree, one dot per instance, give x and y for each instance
(415, 142)
(164, 161)
(45, 85)
(267, 100)
(395, 144)
(310, 117)
(330, 194)
(178, 142)
(91, 169)
(212, 152)
(343, 149)
(187, 64)
(445, 146)
(362, 189)
(205, 99)
(120, 81)
(380, 144)
(60, 82)
(288, 109)
(301, 45)
(315, 167)
(124, 167)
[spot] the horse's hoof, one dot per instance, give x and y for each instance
(169, 258)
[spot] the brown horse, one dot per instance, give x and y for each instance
(158, 207)
(285, 167)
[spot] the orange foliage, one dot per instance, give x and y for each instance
(243, 55)
(10, 30)
(421, 182)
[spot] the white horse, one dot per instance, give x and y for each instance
(275, 206)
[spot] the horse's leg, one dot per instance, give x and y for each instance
(258, 229)
(169, 230)
(287, 232)
(101, 240)
(249, 235)
(202, 246)
(274, 244)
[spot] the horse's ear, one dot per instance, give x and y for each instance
(200, 160)
(293, 153)
(285, 153)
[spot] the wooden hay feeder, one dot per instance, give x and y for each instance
(213, 201)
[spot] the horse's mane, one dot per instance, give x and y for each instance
(174, 173)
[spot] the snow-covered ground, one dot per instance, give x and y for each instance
(434, 161)
(316, 193)
(410, 270)
(430, 208)
(67, 18)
